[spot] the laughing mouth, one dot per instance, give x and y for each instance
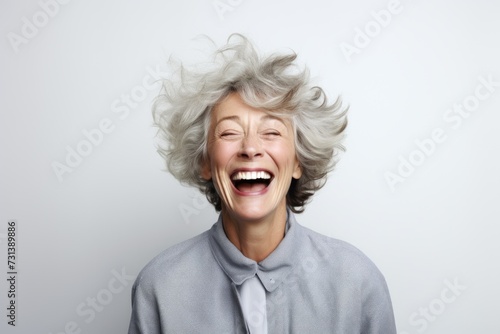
(251, 181)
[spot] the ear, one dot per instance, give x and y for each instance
(206, 170)
(297, 171)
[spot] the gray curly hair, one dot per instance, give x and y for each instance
(274, 84)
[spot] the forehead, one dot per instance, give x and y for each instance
(233, 107)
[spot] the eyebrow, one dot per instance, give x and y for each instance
(237, 119)
(268, 116)
(228, 118)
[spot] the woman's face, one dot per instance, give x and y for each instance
(251, 159)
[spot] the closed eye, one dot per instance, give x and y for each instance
(229, 134)
(271, 134)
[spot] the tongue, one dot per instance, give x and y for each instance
(251, 187)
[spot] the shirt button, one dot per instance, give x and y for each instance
(271, 280)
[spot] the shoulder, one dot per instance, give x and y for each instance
(348, 270)
(343, 259)
(185, 256)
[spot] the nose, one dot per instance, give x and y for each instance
(251, 147)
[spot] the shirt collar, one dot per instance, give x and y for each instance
(271, 271)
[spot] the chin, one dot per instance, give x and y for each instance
(254, 209)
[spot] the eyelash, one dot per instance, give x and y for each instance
(228, 133)
(270, 133)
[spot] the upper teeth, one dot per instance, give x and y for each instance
(251, 175)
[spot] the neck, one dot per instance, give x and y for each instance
(258, 238)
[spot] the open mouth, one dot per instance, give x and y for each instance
(251, 181)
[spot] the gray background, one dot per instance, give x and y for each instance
(116, 209)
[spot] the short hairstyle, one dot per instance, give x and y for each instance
(274, 84)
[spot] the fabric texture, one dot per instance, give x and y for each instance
(312, 283)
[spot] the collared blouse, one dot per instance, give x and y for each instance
(313, 284)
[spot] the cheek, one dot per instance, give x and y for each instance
(285, 154)
(221, 154)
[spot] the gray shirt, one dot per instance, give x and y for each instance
(314, 284)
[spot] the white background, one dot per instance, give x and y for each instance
(117, 209)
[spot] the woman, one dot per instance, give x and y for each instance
(254, 136)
